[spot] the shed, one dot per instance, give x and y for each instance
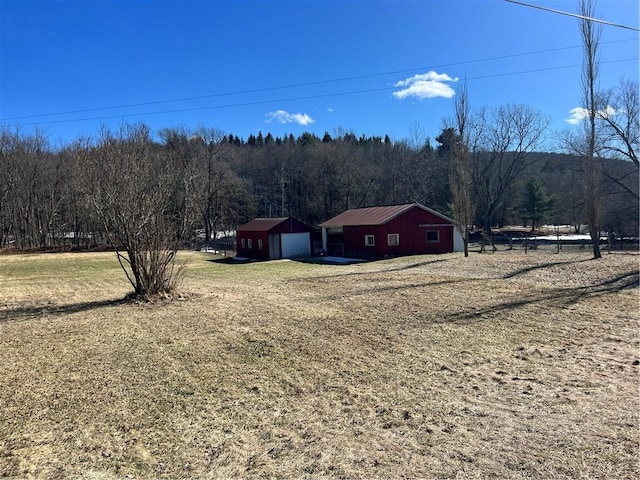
(273, 238)
(380, 232)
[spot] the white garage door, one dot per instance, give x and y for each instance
(295, 245)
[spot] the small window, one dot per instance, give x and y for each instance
(393, 239)
(242, 243)
(369, 240)
(250, 243)
(433, 236)
(259, 244)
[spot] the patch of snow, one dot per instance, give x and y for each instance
(571, 237)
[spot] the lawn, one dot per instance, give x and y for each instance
(500, 365)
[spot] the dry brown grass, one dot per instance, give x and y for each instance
(505, 365)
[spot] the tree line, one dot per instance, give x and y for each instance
(146, 194)
(205, 181)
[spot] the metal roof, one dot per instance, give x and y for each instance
(374, 215)
(367, 216)
(261, 224)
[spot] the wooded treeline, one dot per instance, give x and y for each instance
(213, 182)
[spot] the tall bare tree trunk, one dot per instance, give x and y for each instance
(590, 67)
(459, 172)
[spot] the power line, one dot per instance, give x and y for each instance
(297, 85)
(282, 100)
(575, 15)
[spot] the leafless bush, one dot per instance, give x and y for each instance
(141, 202)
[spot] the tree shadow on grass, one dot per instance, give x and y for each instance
(531, 268)
(373, 272)
(231, 260)
(558, 298)
(27, 312)
(395, 288)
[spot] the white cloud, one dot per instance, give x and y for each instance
(576, 115)
(609, 111)
(282, 116)
(426, 85)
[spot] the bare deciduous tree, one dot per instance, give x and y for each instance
(224, 193)
(619, 133)
(132, 187)
(459, 172)
(503, 145)
(30, 194)
(621, 121)
(590, 32)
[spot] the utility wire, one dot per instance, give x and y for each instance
(297, 85)
(575, 15)
(308, 97)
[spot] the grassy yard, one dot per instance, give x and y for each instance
(504, 365)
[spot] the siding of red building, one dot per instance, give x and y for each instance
(243, 249)
(262, 232)
(411, 227)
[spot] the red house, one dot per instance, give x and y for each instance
(273, 238)
(380, 232)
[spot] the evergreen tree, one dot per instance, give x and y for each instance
(447, 140)
(535, 204)
(268, 139)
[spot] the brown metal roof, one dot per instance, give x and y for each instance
(374, 215)
(367, 216)
(261, 224)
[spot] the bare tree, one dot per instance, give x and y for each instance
(619, 133)
(224, 193)
(217, 183)
(132, 187)
(29, 195)
(503, 145)
(621, 121)
(459, 172)
(590, 32)
(8, 143)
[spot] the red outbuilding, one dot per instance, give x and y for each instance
(273, 238)
(380, 232)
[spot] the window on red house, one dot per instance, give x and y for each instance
(433, 236)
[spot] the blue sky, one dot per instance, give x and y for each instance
(370, 67)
